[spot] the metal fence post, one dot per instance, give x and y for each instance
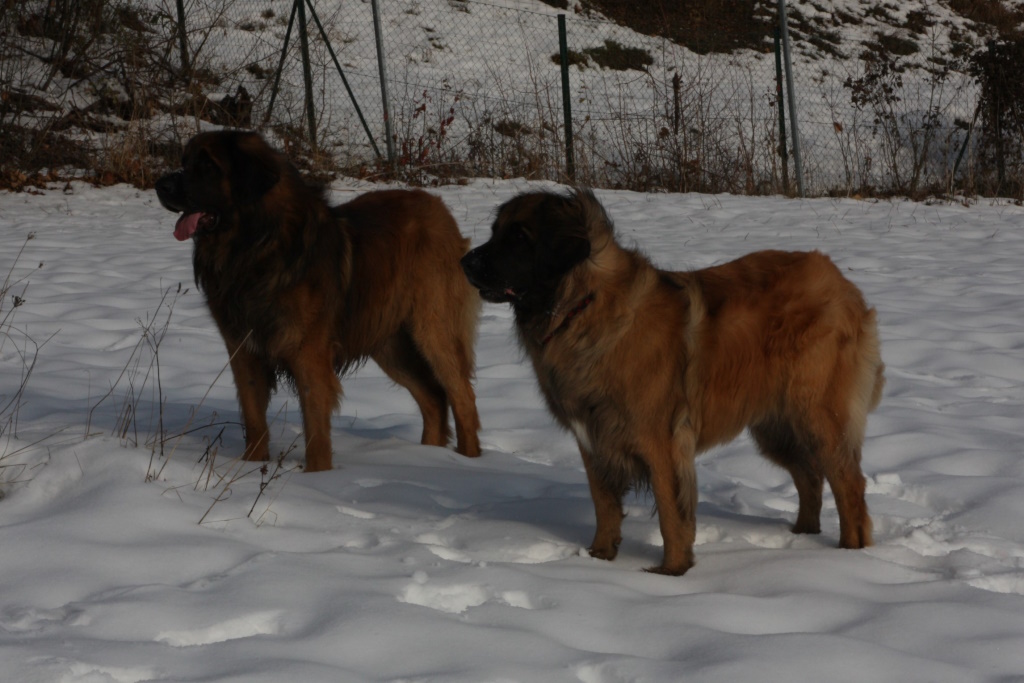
(390, 143)
(183, 39)
(280, 64)
(791, 91)
(563, 51)
(344, 81)
(307, 73)
(780, 97)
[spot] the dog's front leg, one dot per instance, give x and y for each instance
(674, 483)
(608, 509)
(319, 392)
(252, 380)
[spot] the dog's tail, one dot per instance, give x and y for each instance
(874, 359)
(868, 380)
(876, 394)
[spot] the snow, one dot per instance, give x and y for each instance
(412, 563)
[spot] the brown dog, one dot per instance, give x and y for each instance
(648, 367)
(307, 291)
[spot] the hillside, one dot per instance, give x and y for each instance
(843, 29)
(97, 89)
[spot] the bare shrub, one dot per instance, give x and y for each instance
(997, 69)
(96, 85)
(17, 349)
(908, 108)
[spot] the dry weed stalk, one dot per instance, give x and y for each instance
(25, 350)
(141, 377)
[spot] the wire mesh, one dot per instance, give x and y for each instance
(474, 89)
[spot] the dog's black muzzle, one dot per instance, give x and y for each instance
(480, 275)
(170, 190)
(473, 267)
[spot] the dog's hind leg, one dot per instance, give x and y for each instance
(838, 420)
(782, 444)
(405, 365)
(836, 452)
(810, 485)
(457, 384)
(847, 483)
(451, 361)
(854, 390)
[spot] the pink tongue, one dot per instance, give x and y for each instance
(187, 225)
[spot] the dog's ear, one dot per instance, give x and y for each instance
(569, 243)
(567, 251)
(254, 168)
(592, 216)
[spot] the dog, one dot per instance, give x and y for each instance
(306, 291)
(649, 367)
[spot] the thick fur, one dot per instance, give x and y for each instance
(305, 290)
(648, 368)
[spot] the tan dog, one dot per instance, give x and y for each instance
(305, 290)
(649, 367)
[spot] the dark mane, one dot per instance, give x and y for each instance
(263, 248)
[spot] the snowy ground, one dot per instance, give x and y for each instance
(410, 563)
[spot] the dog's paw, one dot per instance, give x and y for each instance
(673, 563)
(669, 570)
(800, 528)
(605, 550)
(256, 456)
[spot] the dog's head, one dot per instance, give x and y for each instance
(222, 173)
(536, 240)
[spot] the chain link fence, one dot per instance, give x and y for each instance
(473, 88)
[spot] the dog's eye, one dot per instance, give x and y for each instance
(204, 164)
(521, 235)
